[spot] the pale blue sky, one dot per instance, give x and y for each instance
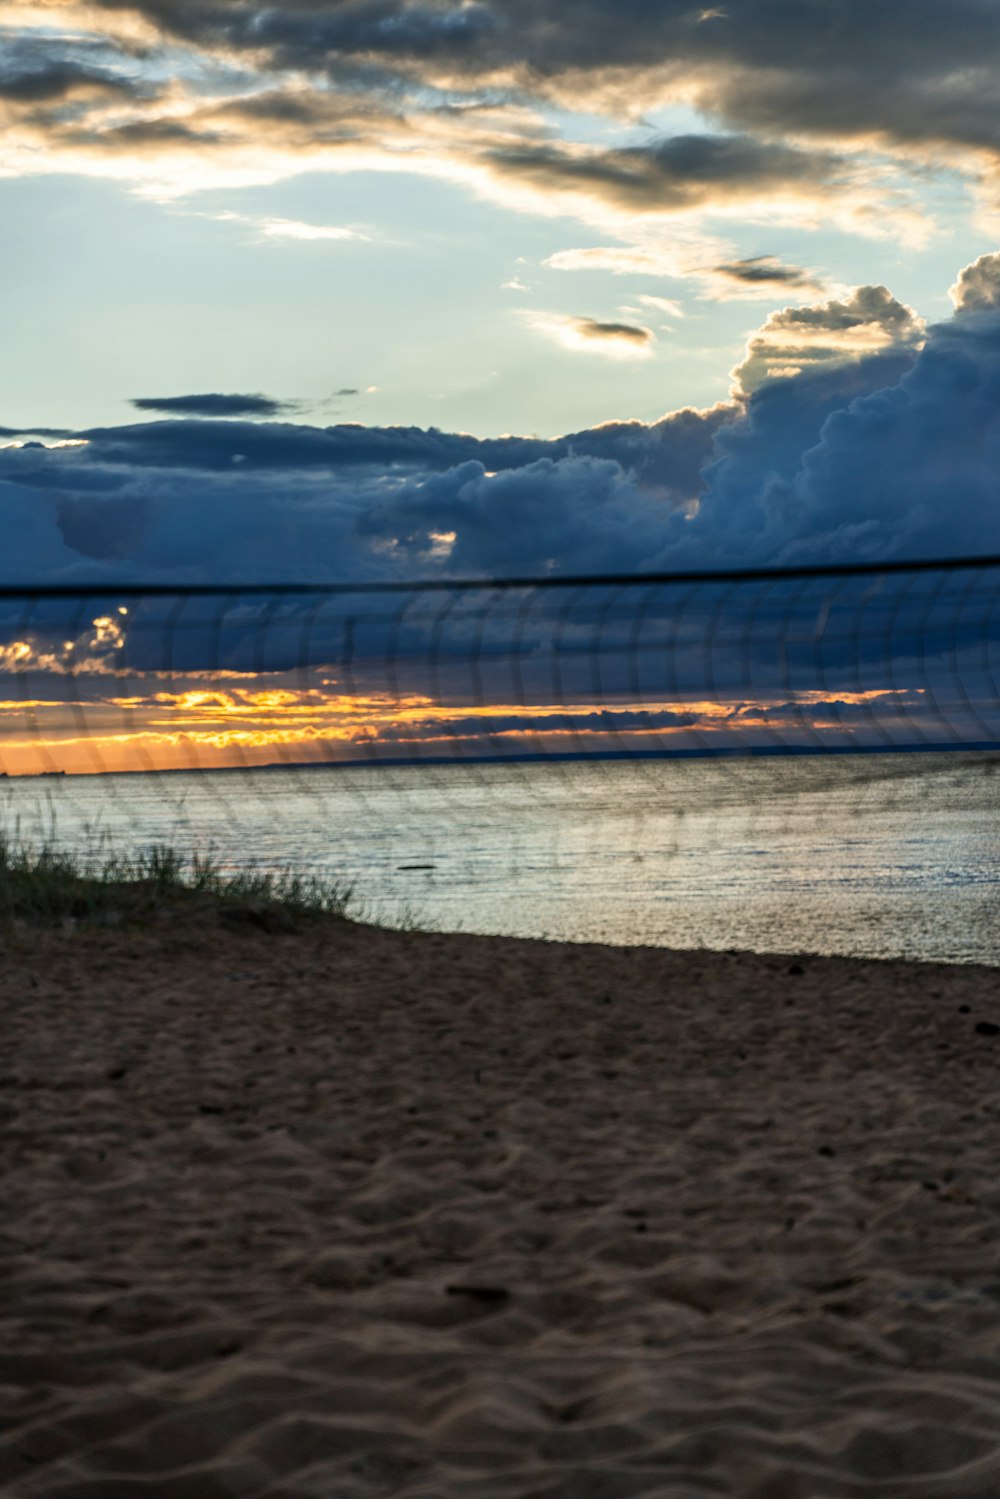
(115, 296)
(445, 313)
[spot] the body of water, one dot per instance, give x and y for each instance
(878, 856)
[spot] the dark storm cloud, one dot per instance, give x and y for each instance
(882, 440)
(254, 501)
(895, 454)
(54, 82)
(666, 456)
(681, 172)
(459, 86)
(211, 404)
(913, 69)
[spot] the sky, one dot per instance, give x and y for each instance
(365, 290)
(674, 248)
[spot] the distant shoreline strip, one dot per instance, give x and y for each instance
(750, 752)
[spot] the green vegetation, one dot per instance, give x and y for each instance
(47, 886)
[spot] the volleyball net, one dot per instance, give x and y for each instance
(120, 679)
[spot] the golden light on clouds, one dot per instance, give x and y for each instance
(217, 727)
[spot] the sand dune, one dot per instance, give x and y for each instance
(344, 1213)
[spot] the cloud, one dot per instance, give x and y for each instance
(905, 70)
(590, 328)
(239, 93)
(213, 404)
(761, 276)
(822, 334)
(592, 335)
(978, 286)
(165, 500)
(270, 228)
(619, 260)
(763, 268)
(295, 229)
(665, 456)
(857, 433)
(21, 432)
(57, 82)
(671, 175)
(665, 305)
(757, 276)
(911, 470)
(807, 108)
(281, 229)
(890, 452)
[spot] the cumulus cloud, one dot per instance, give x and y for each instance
(892, 452)
(978, 286)
(165, 500)
(878, 438)
(912, 470)
(827, 333)
(211, 404)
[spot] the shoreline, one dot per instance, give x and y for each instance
(353, 1211)
(762, 750)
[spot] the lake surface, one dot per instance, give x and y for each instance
(873, 855)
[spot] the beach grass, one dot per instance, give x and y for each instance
(43, 885)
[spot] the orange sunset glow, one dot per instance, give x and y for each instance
(228, 726)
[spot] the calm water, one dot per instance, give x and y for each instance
(870, 855)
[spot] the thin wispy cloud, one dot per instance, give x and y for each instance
(753, 278)
(666, 305)
(293, 229)
(616, 340)
(758, 277)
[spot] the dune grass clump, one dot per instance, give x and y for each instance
(47, 885)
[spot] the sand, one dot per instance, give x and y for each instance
(343, 1212)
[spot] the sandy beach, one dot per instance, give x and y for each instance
(340, 1212)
